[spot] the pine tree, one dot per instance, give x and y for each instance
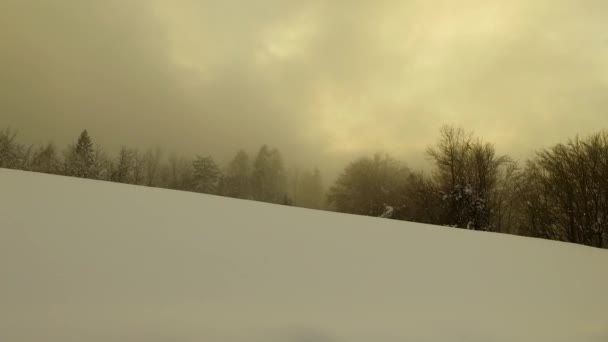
(80, 159)
(260, 177)
(316, 190)
(236, 182)
(309, 189)
(269, 181)
(206, 175)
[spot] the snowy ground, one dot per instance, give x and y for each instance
(91, 261)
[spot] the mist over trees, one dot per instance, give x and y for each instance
(236, 182)
(268, 177)
(368, 185)
(561, 193)
(306, 188)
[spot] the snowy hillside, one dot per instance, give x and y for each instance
(98, 262)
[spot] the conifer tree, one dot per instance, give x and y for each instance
(236, 182)
(269, 181)
(206, 175)
(80, 158)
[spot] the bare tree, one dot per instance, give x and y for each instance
(466, 174)
(424, 199)
(568, 191)
(506, 198)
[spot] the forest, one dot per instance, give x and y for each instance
(560, 193)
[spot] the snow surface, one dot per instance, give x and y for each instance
(91, 261)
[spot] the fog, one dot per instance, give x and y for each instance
(324, 81)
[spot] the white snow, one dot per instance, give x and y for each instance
(388, 212)
(91, 261)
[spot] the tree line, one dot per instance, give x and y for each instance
(561, 193)
(263, 178)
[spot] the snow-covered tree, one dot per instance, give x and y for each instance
(45, 159)
(12, 154)
(206, 175)
(466, 175)
(123, 166)
(9, 151)
(80, 158)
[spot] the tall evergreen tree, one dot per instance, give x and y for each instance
(269, 181)
(316, 190)
(206, 175)
(308, 189)
(236, 182)
(80, 158)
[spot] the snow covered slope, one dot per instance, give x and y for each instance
(91, 261)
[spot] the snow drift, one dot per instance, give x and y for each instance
(91, 261)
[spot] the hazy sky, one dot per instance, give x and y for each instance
(322, 80)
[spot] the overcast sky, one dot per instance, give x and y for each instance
(324, 81)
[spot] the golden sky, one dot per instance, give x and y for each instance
(324, 81)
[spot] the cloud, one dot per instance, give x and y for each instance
(324, 81)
